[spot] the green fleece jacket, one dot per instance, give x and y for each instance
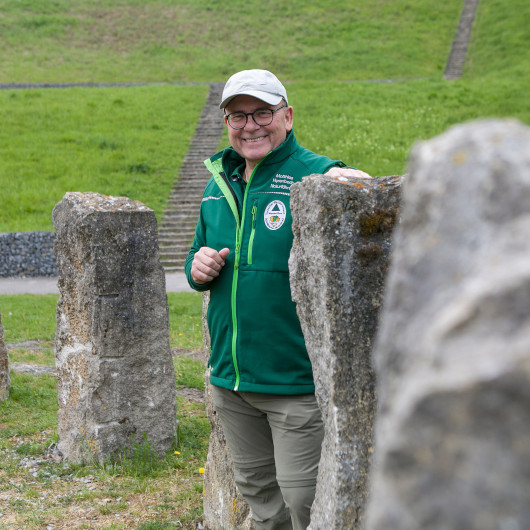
(256, 340)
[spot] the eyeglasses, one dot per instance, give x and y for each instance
(261, 117)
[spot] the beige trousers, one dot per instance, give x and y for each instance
(275, 443)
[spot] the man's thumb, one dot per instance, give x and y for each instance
(224, 252)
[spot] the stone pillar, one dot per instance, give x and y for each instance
(115, 374)
(224, 507)
(339, 259)
(453, 351)
(4, 366)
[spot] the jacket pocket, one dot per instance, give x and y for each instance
(254, 214)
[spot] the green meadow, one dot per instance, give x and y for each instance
(120, 141)
(190, 41)
(365, 81)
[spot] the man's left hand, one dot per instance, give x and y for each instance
(347, 172)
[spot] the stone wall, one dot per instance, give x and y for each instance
(453, 353)
(339, 260)
(27, 254)
(115, 375)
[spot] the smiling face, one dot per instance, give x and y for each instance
(254, 142)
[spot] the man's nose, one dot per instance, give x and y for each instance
(251, 125)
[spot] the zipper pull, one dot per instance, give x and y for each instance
(238, 246)
(254, 212)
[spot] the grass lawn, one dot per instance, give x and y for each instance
(32, 318)
(190, 41)
(115, 141)
(139, 491)
(373, 126)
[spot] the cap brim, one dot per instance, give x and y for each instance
(271, 99)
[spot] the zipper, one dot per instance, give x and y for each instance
(216, 169)
(254, 213)
(239, 236)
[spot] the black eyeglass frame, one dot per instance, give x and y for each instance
(247, 114)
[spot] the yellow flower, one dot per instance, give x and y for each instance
(180, 334)
(201, 470)
(177, 452)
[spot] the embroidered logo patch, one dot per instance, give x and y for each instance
(275, 215)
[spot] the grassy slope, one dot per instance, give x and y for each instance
(127, 142)
(374, 125)
(500, 43)
(131, 141)
(186, 40)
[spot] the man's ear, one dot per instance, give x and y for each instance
(289, 118)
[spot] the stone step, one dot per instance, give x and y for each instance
(173, 268)
(183, 210)
(176, 206)
(178, 226)
(178, 197)
(168, 231)
(181, 217)
(176, 260)
(175, 248)
(172, 236)
(174, 229)
(191, 180)
(185, 195)
(183, 242)
(189, 202)
(175, 252)
(176, 238)
(196, 185)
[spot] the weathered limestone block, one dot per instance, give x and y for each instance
(339, 259)
(115, 375)
(453, 351)
(4, 366)
(224, 507)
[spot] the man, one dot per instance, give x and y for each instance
(263, 388)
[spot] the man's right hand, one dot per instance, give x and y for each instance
(207, 264)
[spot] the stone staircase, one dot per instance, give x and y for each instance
(457, 57)
(177, 228)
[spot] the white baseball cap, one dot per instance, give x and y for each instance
(260, 84)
